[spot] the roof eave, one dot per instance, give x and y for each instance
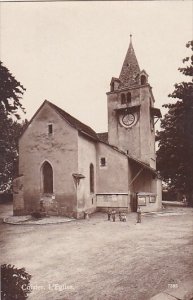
(145, 166)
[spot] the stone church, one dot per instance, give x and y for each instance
(70, 169)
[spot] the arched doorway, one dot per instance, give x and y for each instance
(47, 174)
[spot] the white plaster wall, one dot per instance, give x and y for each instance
(86, 156)
(60, 149)
(139, 140)
(147, 136)
(113, 178)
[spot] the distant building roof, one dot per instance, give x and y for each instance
(103, 136)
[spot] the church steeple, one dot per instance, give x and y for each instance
(130, 68)
(131, 111)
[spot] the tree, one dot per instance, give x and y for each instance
(175, 153)
(10, 130)
(9, 137)
(15, 283)
(10, 92)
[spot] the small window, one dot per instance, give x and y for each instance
(50, 128)
(128, 97)
(143, 79)
(103, 162)
(123, 99)
(112, 86)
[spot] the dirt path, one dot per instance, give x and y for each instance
(97, 259)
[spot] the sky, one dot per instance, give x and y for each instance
(67, 52)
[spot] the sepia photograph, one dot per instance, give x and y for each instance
(96, 150)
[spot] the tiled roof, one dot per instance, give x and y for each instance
(130, 69)
(74, 122)
(103, 136)
(89, 132)
(139, 162)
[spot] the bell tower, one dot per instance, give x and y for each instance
(131, 111)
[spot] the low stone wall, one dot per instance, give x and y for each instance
(173, 203)
(6, 197)
(18, 199)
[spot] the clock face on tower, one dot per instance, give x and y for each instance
(127, 120)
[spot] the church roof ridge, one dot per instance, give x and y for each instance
(89, 132)
(81, 127)
(130, 68)
(74, 122)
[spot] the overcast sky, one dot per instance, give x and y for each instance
(67, 52)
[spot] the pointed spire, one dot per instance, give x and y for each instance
(130, 68)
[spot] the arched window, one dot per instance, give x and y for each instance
(47, 174)
(123, 99)
(91, 178)
(128, 97)
(143, 79)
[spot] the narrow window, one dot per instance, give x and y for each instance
(50, 128)
(91, 178)
(103, 162)
(143, 79)
(112, 86)
(128, 97)
(123, 99)
(47, 173)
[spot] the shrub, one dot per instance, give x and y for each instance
(15, 283)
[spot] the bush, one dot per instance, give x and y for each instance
(15, 283)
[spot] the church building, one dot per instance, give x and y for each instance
(69, 169)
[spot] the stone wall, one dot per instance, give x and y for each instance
(18, 199)
(113, 177)
(59, 149)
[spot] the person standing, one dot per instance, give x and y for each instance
(109, 214)
(113, 215)
(138, 214)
